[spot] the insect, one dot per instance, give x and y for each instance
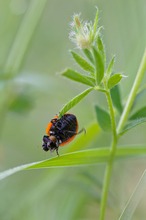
(60, 131)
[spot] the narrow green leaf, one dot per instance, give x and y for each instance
(132, 124)
(99, 65)
(90, 156)
(89, 55)
(114, 80)
(78, 77)
(83, 63)
(116, 98)
(103, 118)
(100, 47)
(74, 101)
(110, 66)
(135, 198)
(11, 171)
(95, 24)
(75, 159)
(141, 113)
(79, 158)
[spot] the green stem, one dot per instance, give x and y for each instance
(112, 115)
(23, 37)
(122, 121)
(132, 94)
(109, 166)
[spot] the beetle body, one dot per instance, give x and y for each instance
(60, 131)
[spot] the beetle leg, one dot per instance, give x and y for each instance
(82, 130)
(57, 151)
(75, 133)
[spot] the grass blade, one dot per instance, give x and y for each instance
(78, 158)
(141, 113)
(135, 198)
(14, 170)
(132, 124)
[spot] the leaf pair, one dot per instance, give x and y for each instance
(81, 78)
(86, 66)
(112, 79)
(96, 72)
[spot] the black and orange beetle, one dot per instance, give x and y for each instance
(60, 131)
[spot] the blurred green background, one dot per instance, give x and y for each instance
(38, 92)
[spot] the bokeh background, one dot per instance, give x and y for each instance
(38, 92)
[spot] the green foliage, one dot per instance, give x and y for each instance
(79, 158)
(23, 103)
(89, 55)
(83, 63)
(97, 76)
(116, 98)
(74, 101)
(103, 118)
(131, 124)
(95, 25)
(84, 140)
(135, 198)
(110, 66)
(141, 113)
(71, 74)
(114, 80)
(101, 49)
(99, 66)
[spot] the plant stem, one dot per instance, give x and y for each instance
(109, 165)
(23, 37)
(132, 95)
(122, 121)
(112, 115)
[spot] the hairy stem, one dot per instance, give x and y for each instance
(109, 165)
(115, 132)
